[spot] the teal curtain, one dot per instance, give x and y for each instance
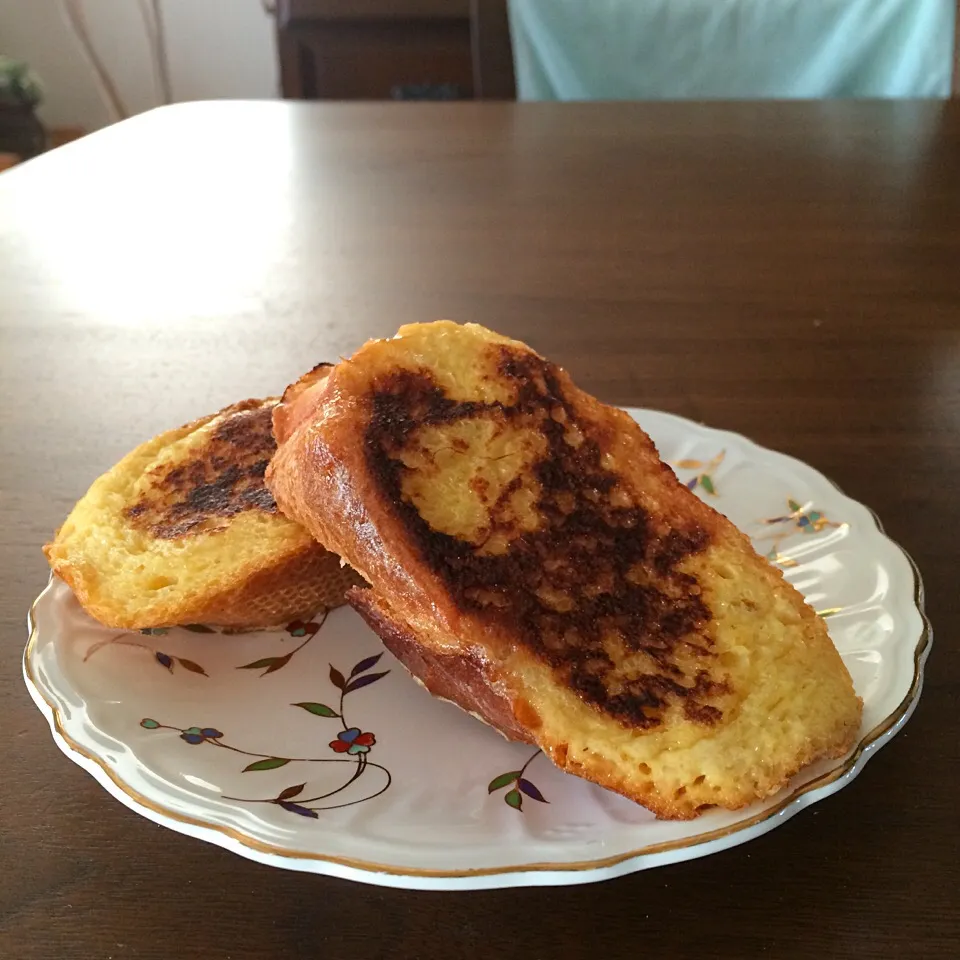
(731, 49)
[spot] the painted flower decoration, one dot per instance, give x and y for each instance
(197, 735)
(352, 741)
(301, 628)
(703, 478)
(804, 519)
(812, 522)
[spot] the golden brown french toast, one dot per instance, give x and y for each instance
(183, 530)
(531, 558)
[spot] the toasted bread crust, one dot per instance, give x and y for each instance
(460, 678)
(606, 619)
(158, 498)
(299, 401)
(296, 587)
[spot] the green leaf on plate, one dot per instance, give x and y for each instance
(198, 628)
(317, 709)
(706, 481)
(270, 763)
(794, 506)
(513, 799)
(498, 783)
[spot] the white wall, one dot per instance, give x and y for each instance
(216, 48)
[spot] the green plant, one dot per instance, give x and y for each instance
(19, 85)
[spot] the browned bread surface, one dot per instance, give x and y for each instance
(183, 530)
(531, 558)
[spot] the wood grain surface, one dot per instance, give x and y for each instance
(789, 271)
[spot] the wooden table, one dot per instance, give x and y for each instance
(788, 271)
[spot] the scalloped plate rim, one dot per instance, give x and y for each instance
(533, 874)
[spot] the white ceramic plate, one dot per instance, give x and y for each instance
(245, 741)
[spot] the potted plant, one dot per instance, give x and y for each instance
(21, 131)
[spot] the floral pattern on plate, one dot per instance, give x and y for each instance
(394, 787)
(350, 740)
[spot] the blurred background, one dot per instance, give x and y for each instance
(69, 67)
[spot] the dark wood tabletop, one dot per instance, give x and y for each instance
(788, 271)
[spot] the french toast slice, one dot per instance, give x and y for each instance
(183, 530)
(532, 559)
